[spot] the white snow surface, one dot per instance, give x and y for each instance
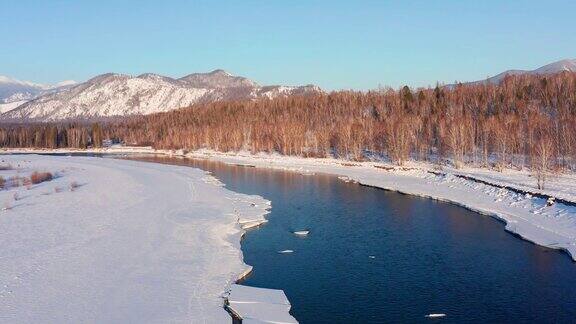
(260, 305)
(11, 105)
(131, 242)
(561, 185)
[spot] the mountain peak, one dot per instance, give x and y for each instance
(106, 77)
(12, 90)
(220, 72)
(216, 79)
(156, 78)
(65, 83)
(566, 65)
(6, 79)
(562, 65)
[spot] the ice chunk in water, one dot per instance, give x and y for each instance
(435, 315)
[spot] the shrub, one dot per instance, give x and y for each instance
(5, 167)
(38, 177)
(15, 181)
(2, 182)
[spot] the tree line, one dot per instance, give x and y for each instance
(52, 135)
(525, 120)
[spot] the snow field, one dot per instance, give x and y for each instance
(133, 242)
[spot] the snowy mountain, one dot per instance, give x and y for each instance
(560, 66)
(15, 90)
(14, 93)
(112, 94)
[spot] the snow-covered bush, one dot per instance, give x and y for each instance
(4, 167)
(15, 181)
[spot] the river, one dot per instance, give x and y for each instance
(375, 256)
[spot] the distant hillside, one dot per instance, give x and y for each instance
(556, 67)
(112, 94)
(14, 92)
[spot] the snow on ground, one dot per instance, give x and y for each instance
(551, 226)
(257, 305)
(560, 185)
(5, 107)
(116, 241)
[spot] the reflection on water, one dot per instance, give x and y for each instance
(428, 257)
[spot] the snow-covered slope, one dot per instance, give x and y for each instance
(563, 65)
(14, 93)
(5, 107)
(12, 90)
(110, 95)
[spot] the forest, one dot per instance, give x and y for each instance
(526, 120)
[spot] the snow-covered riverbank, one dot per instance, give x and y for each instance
(118, 241)
(529, 217)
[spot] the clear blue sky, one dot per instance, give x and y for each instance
(335, 44)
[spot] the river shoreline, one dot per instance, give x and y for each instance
(491, 199)
(526, 216)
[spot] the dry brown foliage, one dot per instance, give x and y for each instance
(38, 177)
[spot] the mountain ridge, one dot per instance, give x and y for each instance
(114, 94)
(13, 90)
(568, 65)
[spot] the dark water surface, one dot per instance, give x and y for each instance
(428, 256)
